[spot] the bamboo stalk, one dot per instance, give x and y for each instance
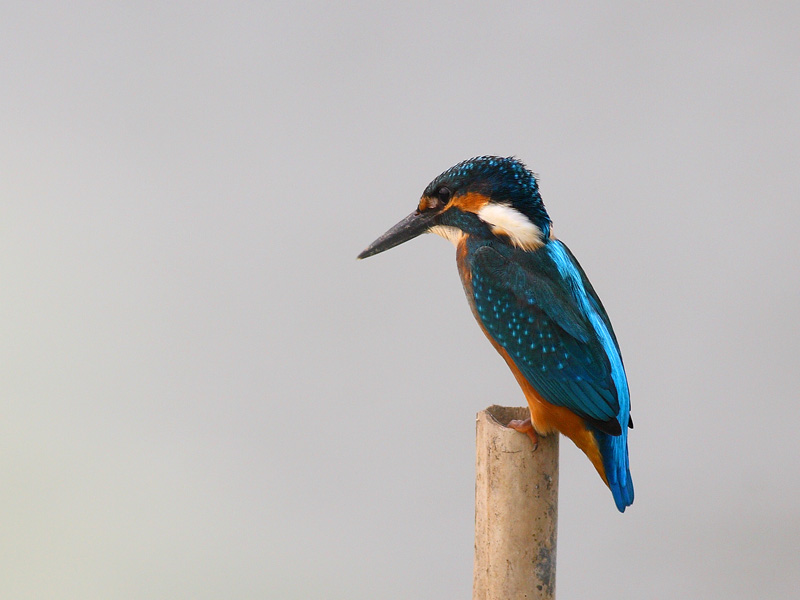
(516, 510)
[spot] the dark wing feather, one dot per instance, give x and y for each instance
(526, 307)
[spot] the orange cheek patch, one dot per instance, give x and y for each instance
(426, 203)
(470, 202)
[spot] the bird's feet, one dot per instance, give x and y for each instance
(525, 427)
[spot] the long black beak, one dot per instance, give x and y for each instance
(413, 225)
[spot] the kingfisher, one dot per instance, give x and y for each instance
(536, 306)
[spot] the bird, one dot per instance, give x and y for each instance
(536, 306)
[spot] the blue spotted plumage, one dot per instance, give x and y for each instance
(559, 337)
(535, 304)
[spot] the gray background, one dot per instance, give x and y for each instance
(204, 394)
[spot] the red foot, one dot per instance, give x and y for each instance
(525, 427)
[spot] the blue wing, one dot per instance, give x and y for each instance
(539, 307)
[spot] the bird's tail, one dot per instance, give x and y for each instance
(614, 451)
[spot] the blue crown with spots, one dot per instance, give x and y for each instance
(503, 180)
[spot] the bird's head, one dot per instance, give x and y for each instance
(485, 196)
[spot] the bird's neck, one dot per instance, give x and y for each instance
(492, 222)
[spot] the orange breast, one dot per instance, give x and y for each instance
(547, 418)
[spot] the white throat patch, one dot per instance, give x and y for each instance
(508, 221)
(454, 234)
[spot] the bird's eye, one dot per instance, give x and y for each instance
(444, 193)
